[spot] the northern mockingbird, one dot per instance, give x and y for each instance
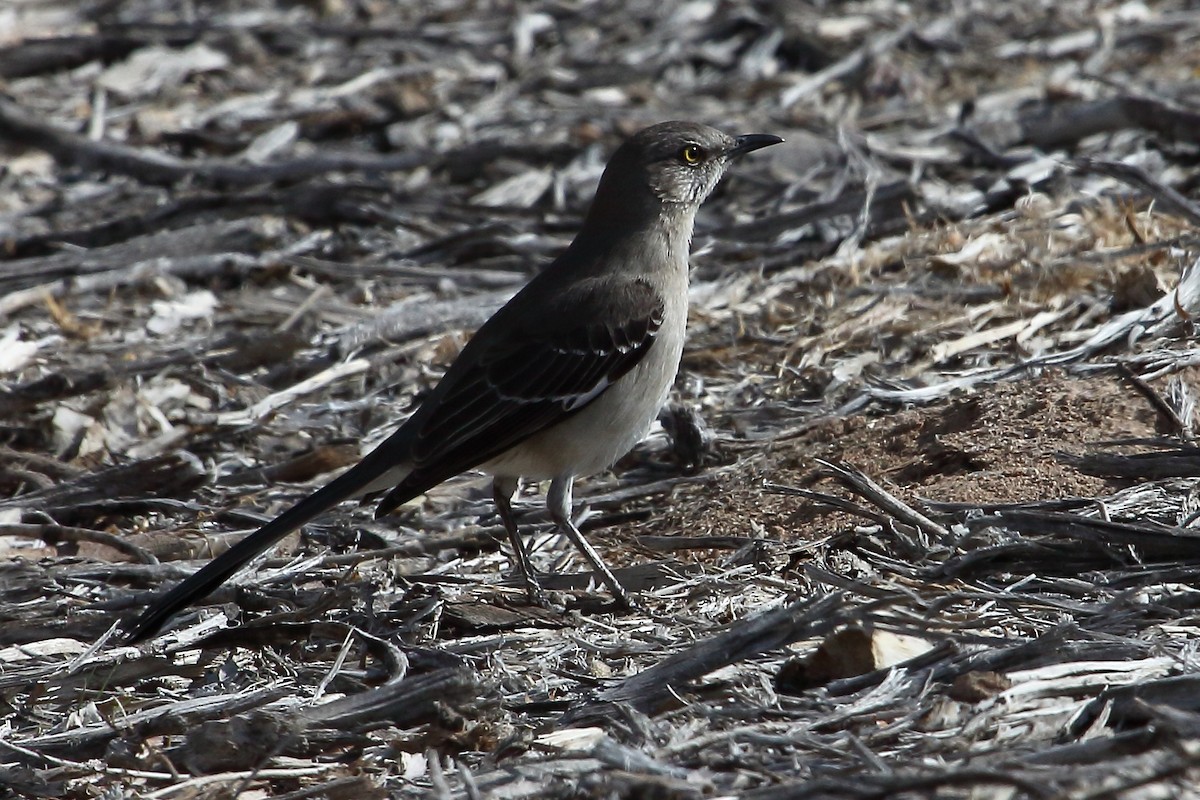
(561, 381)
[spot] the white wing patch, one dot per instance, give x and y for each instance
(580, 400)
(570, 402)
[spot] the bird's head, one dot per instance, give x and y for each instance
(676, 163)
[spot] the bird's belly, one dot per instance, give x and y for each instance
(606, 429)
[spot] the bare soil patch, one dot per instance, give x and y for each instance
(937, 536)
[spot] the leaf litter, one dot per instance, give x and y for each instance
(919, 522)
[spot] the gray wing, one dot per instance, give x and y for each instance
(503, 390)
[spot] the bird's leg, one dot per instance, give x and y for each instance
(558, 501)
(503, 490)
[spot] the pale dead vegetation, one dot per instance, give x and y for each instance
(921, 522)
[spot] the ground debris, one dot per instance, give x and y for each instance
(920, 521)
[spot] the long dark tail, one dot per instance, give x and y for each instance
(347, 485)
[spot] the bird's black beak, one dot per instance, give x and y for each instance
(750, 142)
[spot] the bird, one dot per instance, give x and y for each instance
(560, 382)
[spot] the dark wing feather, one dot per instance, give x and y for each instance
(505, 391)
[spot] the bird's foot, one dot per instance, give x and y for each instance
(595, 603)
(535, 593)
(624, 601)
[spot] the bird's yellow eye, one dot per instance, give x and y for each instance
(692, 154)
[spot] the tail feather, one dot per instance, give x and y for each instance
(349, 484)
